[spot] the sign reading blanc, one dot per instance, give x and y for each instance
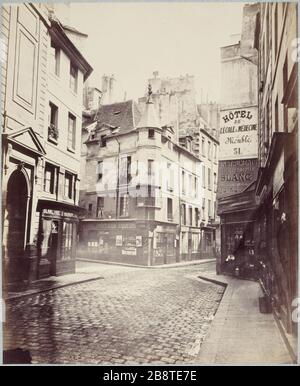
(238, 134)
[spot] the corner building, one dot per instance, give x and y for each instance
(141, 189)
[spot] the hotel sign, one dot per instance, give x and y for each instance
(238, 134)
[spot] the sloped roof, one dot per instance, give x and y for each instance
(124, 115)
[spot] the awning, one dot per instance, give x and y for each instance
(61, 206)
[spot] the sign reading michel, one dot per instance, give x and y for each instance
(238, 134)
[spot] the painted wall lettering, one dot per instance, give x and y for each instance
(238, 134)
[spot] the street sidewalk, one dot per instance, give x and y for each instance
(82, 275)
(172, 265)
(239, 333)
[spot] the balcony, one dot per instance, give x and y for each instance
(148, 202)
(52, 133)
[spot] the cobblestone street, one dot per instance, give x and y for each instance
(130, 316)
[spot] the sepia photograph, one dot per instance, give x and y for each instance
(149, 182)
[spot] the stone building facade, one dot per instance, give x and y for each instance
(277, 182)
(238, 154)
(196, 128)
(142, 189)
(41, 84)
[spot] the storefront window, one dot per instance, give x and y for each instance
(195, 242)
(67, 241)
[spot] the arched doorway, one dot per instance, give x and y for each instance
(16, 206)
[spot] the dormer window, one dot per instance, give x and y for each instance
(103, 141)
(151, 133)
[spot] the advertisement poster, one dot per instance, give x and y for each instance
(119, 240)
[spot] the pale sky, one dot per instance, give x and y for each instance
(131, 40)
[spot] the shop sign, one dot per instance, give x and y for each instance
(236, 175)
(129, 251)
(238, 134)
(111, 225)
(52, 212)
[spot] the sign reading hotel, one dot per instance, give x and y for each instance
(238, 134)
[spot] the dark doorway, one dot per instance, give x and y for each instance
(17, 197)
(53, 247)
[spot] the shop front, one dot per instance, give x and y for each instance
(165, 245)
(238, 214)
(128, 241)
(125, 241)
(207, 244)
(57, 238)
(277, 228)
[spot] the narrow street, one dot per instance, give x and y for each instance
(130, 316)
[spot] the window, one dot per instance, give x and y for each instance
(195, 187)
(124, 205)
(150, 171)
(183, 181)
(170, 177)
(53, 118)
(67, 241)
(195, 242)
(209, 150)
(100, 171)
(170, 209)
(49, 178)
(129, 176)
(125, 170)
(215, 152)
(183, 214)
(103, 141)
(151, 133)
(203, 176)
(215, 182)
(90, 210)
(196, 217)
(68, 190)
(71, 132)
(209, 209)
(191, 215)
(73, 77)
(100, 207)
(209, 178)
(203, 147)
(54, 58)
(203, 208)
